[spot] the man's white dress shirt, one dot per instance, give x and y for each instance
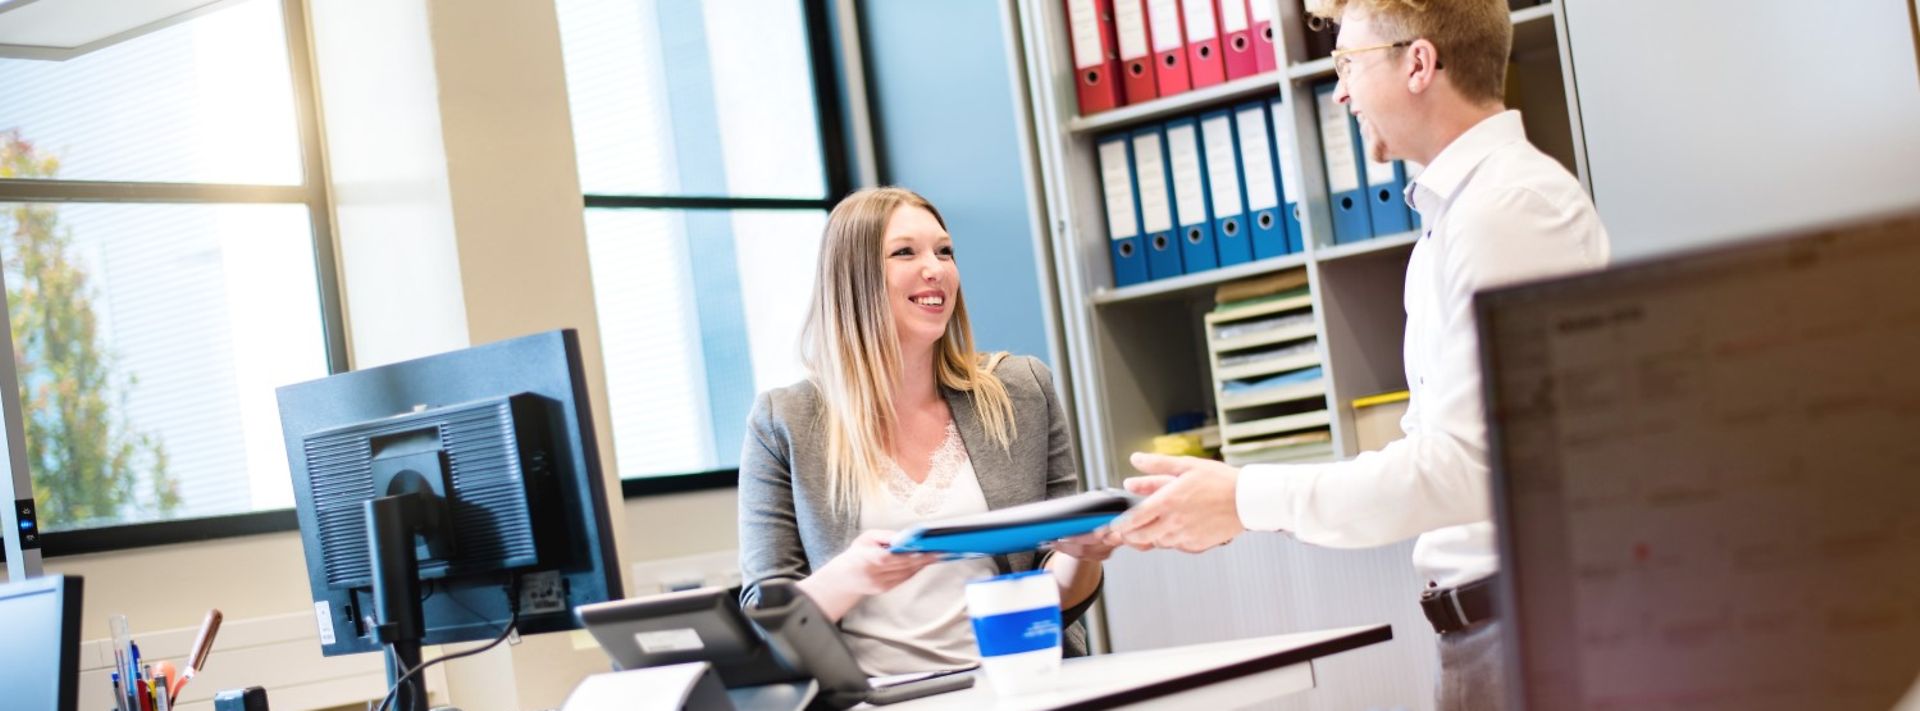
(1497, 211)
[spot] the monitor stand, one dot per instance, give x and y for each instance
(392, 522)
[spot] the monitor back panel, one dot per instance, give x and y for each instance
(1707, 473)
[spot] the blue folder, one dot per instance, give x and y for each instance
(1123, 211)
(1187, 171)
(1232, 239)
(1386, 194)
(1016, 528)
(1156, 203)
(1260, 181)
(1289, 168)
(1340, 154)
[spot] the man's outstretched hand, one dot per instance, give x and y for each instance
(1190, 504)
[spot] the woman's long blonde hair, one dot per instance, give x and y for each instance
(852, 352)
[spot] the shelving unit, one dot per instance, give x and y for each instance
(1141, 353)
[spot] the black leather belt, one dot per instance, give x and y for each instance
(1458, 608)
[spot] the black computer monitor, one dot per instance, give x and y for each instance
(436, 495)
(40, 643)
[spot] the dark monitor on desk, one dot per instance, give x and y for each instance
(1706, 471)
(40, 643)
(441, 498)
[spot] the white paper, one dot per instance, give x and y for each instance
(1336, 142)
(1223, 171)
(1119, 190)
(1262, 10)
(1085, 24)
(1155, 213)
(1164, 16)
(1131, 27)
(1256, 163)
(1183, 154)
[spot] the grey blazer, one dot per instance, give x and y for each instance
(787, 524)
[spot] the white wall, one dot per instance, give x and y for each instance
(1708, 120)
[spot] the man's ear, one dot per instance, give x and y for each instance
(1422, 64)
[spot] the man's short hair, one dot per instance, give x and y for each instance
(1474, 37)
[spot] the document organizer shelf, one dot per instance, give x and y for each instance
(1286, 325)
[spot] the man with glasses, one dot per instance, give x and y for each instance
(1425, 79)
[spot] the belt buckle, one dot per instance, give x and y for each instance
(1449, 602)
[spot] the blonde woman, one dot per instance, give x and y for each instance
(899, 422)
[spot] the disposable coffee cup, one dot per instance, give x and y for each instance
(1016, 621)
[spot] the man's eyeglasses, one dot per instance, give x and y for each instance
(1343, 58)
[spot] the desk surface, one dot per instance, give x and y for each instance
(1112, 680)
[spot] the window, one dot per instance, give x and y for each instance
(706, 138)
(161, 224)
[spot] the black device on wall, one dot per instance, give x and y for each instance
(442, 499)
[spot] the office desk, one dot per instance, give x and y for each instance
(1213, 675)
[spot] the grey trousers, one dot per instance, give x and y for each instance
(1471, 670)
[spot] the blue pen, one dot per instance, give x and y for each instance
(119, 697)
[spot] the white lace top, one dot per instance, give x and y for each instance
(921, 625)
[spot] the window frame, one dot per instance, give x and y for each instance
(836, 158)
(836, 162)
(312, 192)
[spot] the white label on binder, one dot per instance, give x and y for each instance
(1086, 33)
(323, 614)
(1183, 151)
(1164, 16)
(1289, 164)
(1200, 27)
(1223, 172)
(1262, 10)
(1336, 143)
(1119, 189)
(1148, 170)
(1233, 15)
(1255, 162)
(1131, 28)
